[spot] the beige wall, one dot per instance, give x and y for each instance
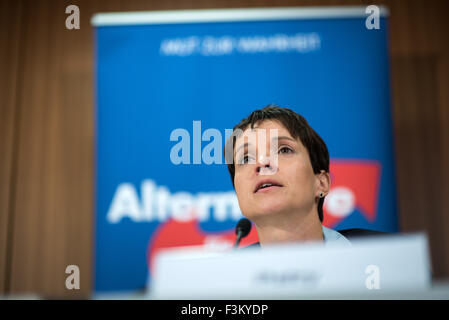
(47, 132)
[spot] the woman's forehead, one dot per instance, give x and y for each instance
(269, 128)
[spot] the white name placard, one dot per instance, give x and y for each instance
(382, 264)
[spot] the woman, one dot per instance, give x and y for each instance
(282, 191)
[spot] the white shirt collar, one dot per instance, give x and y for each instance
(332, 236)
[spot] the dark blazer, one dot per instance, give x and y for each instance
(357, 233)
(349, 234)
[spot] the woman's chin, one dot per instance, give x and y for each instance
(265, 210)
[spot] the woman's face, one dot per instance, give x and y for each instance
(274, 176)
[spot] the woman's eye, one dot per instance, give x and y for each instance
(249, 158)
(285, 150)
(244, 159)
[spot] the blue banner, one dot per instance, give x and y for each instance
(160, 83)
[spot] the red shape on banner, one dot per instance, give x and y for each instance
(173, 234)
(358, 182)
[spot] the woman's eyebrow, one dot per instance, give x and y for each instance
(274, 138)
(242, 146)
(284, 138)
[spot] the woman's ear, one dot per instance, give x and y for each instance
(323, 183)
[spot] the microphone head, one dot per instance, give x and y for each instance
(244, 227)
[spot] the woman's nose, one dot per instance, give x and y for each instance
(266, 165)
(263, 160)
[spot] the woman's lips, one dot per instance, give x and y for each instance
(267, 189)
(267, 184)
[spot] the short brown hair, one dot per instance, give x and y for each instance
(297, 126)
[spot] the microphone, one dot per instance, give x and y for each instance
(242, 230)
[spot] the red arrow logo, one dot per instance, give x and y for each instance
(355, 185)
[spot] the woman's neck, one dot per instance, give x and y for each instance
(294, 228)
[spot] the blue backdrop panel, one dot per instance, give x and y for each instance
(155, 78)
